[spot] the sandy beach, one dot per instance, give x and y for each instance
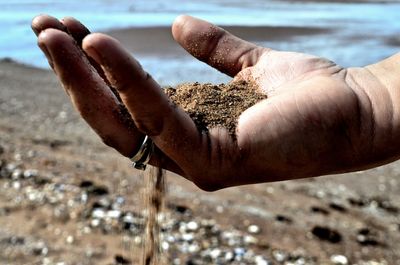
(66, 197)
(159, 41)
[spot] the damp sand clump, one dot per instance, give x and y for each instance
(215, 105)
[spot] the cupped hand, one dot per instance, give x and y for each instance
(319, 118)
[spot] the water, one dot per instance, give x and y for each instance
(361, 30)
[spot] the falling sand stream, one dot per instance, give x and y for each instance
(155, 189)
(209, 106)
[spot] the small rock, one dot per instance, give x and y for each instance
(16, 185)
(165, 246)
(366, 238)
(194, 248)
(326, 234)
(192, 226)
(188, 237)
(239, 252)
(250, 240)
(14, 240)
(95, 223)
(387, 206)
(358, 202)
(339, 260)
(219, 209)
(121, 260)
(16, 174)
(97, 190)
(229, 256)
(114, 214)
(215, 253)
(260, 260)
(320, 210)
(30, 173)
(86, 184)
(40, 249)
(279, 255)
(103, 203)
(70, 239)
(98, 214)
(54, 144)
(337, 207)
(254, 229)
(181, 209)
(283, 219)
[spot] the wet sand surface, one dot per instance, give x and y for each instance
(159, 40)
(65, 197)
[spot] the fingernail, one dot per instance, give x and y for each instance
(92, 52)
(47, 53)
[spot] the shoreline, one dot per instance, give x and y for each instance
(159, 41)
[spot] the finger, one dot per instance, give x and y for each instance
(69, 25)
(79, 31)
(42, 22)
(88, 92)
(215, 46)
(76, 29)
(171, 128)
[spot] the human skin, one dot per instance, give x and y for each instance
(318, 119)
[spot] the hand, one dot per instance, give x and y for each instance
(319, 118)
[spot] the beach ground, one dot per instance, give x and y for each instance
(66, 197)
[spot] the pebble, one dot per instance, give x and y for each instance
(366, 237)
(30, 173)
(114, 214)
(254, 229)
(14, 240)
(279, 255)
(70, 239)
(40, 249)
(339, 260)
(192, 226)
(199, 240)
(121, 260)
(16, 174)
(260, 260)
(284, 219)
(327, 234)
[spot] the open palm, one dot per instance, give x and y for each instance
(319, 118)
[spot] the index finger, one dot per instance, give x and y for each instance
(171, 129)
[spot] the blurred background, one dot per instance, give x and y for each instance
(351, 33)
(66, 199)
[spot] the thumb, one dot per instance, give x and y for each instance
(215, 46)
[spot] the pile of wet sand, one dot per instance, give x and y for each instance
(215, 105)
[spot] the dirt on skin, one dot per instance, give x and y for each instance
(215, 105)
